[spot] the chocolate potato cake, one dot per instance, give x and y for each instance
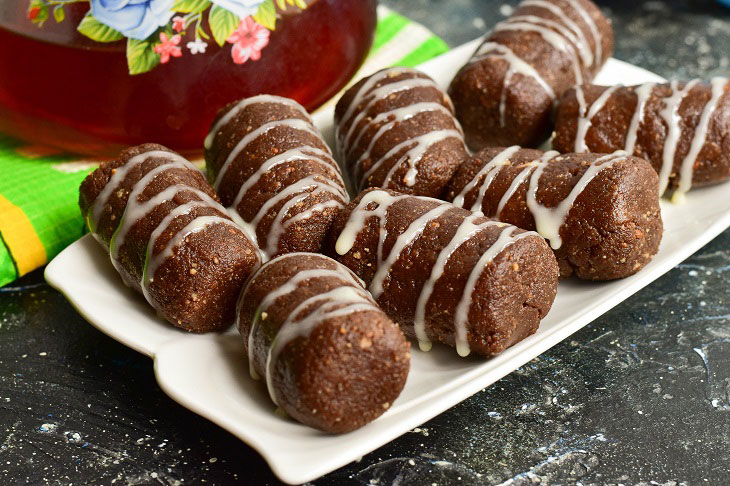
(331, 358)
(505, 94)
(168, 236)
(446, 274)
(269, 165)
(681, 128)
(396, 129)
(600, 213)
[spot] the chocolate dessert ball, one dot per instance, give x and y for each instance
(446, 274)
(505, 94)
(168, 236)
(396, 129)
(600, 213)
(331, 358)
(269, 165)
(681, 128)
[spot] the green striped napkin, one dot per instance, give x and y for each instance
(39, 213)
(399, 42)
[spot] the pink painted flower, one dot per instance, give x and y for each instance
(178, 23)
(168, 47)
(248, 40)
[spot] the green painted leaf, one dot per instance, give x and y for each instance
(201, 32)
(222, 23)
(95, 30)
(283, 3)
(266, 15)
(187, 6)
(59, 14)
(141, 56)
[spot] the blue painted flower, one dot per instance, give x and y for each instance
(242, 8)
(136, 19)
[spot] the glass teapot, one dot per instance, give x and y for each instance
(93, 76)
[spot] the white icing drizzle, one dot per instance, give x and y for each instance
(392, 117)
(371, 97)
(643, 93)
(699, 138)
(241, 105)
(135, 210)
(466, 230)
(412, 156)
(297, 192)
(288, 287)
(671, 116)
(548, 221)
(586, 114)
(489, 172)
(304, 215)
(580, 39)
(365, 98)
(347, 298)
(591, 26)
(299, 188)
(196, 225)
(582, 48)
(358, 217)
(120, 173)
(294, 123)
(406, 238)
(366, 87)
(461, 316)
(564, 35)
(521, 177)
(340, 301)
(248, 230)
(311, 185)
(515, 65)
(551, 37)
(299, 153)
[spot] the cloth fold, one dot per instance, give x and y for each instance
(39, 187)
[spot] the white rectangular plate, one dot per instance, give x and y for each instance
(209, 374)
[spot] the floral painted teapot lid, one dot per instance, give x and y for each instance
(154, 28)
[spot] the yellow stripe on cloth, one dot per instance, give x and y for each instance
(20, 238)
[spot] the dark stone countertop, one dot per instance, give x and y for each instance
(640, 396)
